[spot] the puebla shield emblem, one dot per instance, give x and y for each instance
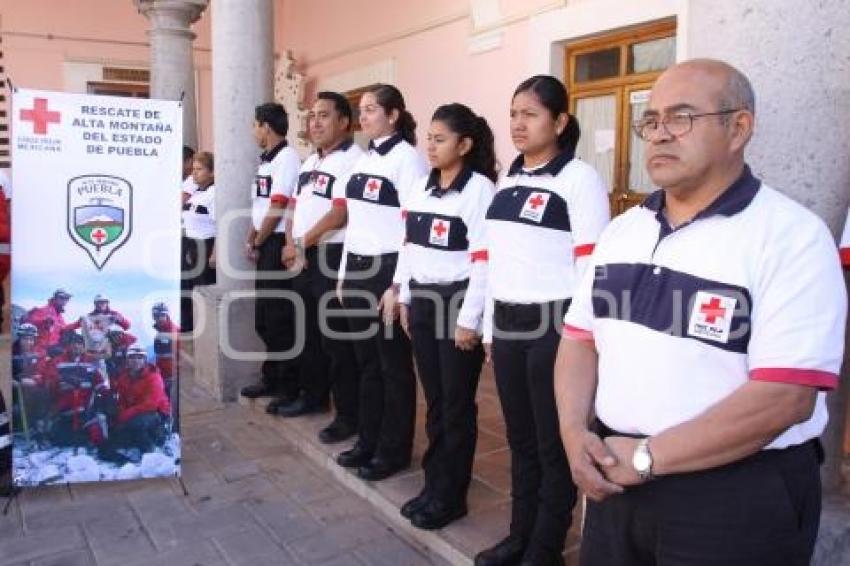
(100, 216)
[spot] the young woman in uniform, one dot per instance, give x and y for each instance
(442, 275)
(541, 227)
(376, 193)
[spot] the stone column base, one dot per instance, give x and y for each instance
(227, 351)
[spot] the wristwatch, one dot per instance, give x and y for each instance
(642, 460)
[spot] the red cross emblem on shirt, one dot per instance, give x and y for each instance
(321, 181)
(713, 310)
(536, 201)
(40, 116)
(98, 235)
(439, 228)
(373, 185)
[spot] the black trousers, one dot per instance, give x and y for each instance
(274, 317)
(196, 270)
(384, 360)
(542, 491)
(763, 510)
(337, 352)
(449, 378)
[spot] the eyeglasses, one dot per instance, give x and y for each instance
(675, 125)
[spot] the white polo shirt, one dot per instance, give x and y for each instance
(277, 176)
(751, 288)
(199, 214)
(375, 195)
(445, 241)
(845, 243)
(189, 186)
(321, 185)
(541, 223)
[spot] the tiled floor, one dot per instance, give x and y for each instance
(489, 497)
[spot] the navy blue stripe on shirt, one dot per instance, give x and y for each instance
(663, 300)
(373, 189)
(436, 231)
(530, 205)
(322, 188)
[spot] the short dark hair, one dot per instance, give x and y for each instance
(188, 153)
(343, 107)
(274, 115)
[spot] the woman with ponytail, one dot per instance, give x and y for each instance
(375, 195)
(541, 227)
(442, 278)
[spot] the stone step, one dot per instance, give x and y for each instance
(457, 543)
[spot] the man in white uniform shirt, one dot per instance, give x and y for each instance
(703, 340)
(277, 176)
(315, 250)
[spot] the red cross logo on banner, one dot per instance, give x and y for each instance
(40, 116)
(373, 189)
(98, 235)
(535, 206)
(712, 310)
(440, 232)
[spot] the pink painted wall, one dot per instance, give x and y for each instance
(433, 67)
(108, 32)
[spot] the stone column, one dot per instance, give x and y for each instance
(227, 351)
(798, 63)
(172, 60)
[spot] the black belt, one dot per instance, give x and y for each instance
(362, 262)
(527, 316)
(441, 289)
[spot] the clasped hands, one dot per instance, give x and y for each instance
(601, 468)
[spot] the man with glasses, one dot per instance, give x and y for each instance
(703, 341)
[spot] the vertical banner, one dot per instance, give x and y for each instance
(95, 280)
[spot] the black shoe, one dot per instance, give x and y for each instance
(337, 431)
(354, 458)
(257, 390)
(506, 552)
(301, 406)
(279, 402)
(379, 469)
(414, 505)
(436, 515)
(541, 558)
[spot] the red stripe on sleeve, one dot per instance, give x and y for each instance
(576, 333)
(584, 250)
(845, 257)
(339, 202)
(279, 199)
(480, 255)
(823, 380)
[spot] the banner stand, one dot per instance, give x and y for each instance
(96, 276)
